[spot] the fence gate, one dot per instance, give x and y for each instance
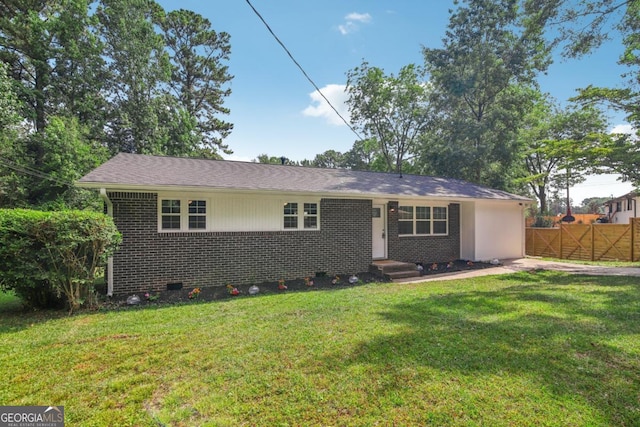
(588, 242)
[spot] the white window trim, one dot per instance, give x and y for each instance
(431, 220)
(300, 214)
(184, 214)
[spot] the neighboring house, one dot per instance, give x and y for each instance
(211, 222)
(621, 209)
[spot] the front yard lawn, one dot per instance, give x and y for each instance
(527, 349)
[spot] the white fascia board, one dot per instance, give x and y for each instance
(336, 195)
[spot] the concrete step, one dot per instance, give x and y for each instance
(397, 275)
(394, 270)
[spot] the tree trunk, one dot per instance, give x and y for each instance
(542, 196)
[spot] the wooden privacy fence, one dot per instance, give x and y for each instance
(588, 242)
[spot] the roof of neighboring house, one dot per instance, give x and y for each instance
(630, 195)
(144, 172)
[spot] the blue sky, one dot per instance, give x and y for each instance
(275, 109)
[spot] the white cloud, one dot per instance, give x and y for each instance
(623, 128)
(351, 22)
(360, 17)
(346, 28)
(320, 108)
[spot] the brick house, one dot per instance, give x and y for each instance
(210, 222)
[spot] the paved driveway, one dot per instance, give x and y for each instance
(513, 265)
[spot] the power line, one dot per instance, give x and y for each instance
(600, 184)
(302, 69)
(33, 172)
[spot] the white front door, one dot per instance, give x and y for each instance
(378, 232)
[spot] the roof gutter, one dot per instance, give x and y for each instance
(107, 201)
(452, 198)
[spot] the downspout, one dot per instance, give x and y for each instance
(523, 236)
(107, 201)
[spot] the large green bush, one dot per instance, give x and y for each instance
(51, 257)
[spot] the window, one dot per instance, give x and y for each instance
(439, 220)
(405, 220)
(423, 217)
(629, 204)
(618, 206)
(197, 214)
(422, 220)
(295, 218)
(291, 215)
(310, 215)
(174, 218)
(171, 214)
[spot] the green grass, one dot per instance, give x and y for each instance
(528, 349)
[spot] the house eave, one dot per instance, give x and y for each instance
(137, 188)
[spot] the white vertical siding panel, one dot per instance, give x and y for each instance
(246, 214)
(499, 231)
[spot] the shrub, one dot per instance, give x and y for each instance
(542, 222)
(48, 257)
(19, 262)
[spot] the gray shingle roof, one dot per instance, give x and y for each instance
(135, 171)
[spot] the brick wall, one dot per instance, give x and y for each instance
(148, 260)
(425, 249)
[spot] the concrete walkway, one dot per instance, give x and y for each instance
(524, 264)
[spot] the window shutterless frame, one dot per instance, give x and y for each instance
(419, 220)
(183, 214)
(300, 215)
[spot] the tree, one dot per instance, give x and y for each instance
(330, 159)
(560, 145)
(626, 99)
(53, 59)
(364, 155)
(623, 156)
(12, 190)
(10, 118)
(391, 110)
(273, 160)
(91, 73)
(480, 80)
(198, 76)
(584, 26)
(180, 136)
(79, 73)
(69, 154)
(624, 153)
(138, 67)
(593, 205)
